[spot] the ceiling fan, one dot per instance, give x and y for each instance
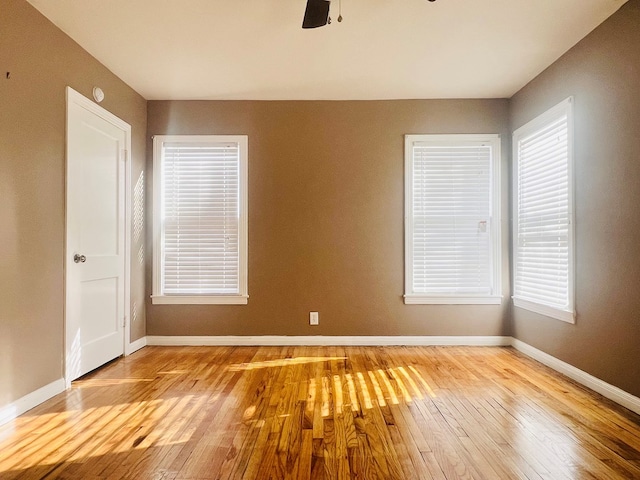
(317, 14)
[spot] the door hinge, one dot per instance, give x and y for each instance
(125, 155)
(124, 322)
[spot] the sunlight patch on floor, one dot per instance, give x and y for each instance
(284, 362)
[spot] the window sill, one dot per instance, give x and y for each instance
(199, 299)
(452, 300)
(546, 310)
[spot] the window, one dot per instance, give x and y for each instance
(452, 219)
(543, 211)
(200, 219)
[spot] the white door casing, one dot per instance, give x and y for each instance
(97, 219)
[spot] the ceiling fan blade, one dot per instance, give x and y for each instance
(316, 14)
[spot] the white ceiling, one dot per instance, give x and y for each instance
(383, 49)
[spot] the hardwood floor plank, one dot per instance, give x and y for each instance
(306, 455)
(409, 456)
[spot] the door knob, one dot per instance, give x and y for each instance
(79, 258)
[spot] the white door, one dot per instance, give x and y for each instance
(96, 233)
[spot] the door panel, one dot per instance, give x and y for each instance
(99, 215)
(95, 280)
(98, 310)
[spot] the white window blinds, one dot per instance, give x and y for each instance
(543, 230)
(452, 210)
(202, 223)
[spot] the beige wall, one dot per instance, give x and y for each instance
(326, 216)
(602, 72)
(43, 61)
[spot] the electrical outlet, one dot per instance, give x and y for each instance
(313, 318)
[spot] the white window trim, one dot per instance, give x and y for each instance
(411, 298)
(200, 300)
(564, 315)
(157, 296)
(421, 299)
(566, 106)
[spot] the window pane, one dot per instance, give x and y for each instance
(451, 214)
(543, 236)
(200, 219)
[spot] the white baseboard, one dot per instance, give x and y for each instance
(31, 400)
(265, 340)
(603, 388)
(136, 345)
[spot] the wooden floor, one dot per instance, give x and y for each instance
(175, 413)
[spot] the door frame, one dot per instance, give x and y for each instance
(73, 97)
